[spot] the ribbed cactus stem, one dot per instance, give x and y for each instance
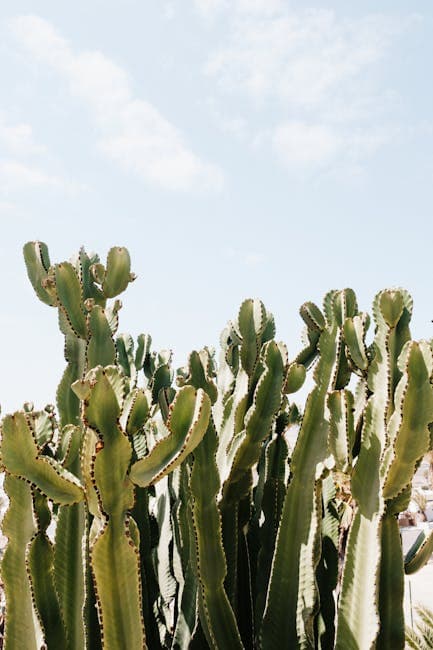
(292, 594)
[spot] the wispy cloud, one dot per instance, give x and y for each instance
(132, 132)
(310, 73)
(299, 58)
(209, 8)
(25, 163)
(15, 176)
(18, 139)
(301, 145)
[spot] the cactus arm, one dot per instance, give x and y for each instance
(341, 428)
(40, 562)
(69, 570)
(88, 455)
(115, 564)
(90, 290)
(185, 576)
(409, 440)
(92, 624)
(161, 378)
(139, 404)
(327, 570)
(187, 425)
(125, 356)
(244, 451)
(358, 621)
(100, 348)
(37, 262)
(408, 428)
(118, 272)
(419, 553)
(71, 529)
(21, 457)
(358, 601)
(391, 587)
(67, 402)
(251, 323)
(308, 354)
(69, 552)
(217, 620)
(295, 378)
(274, 490)
(102, 409)
(18, 526)
(149, 585)
(315, 323)
(143, 346)
(358, 617)
(258, 421)
(197, 374)
(167, 585)
(113, 553)
(216, 614)
(292, 594)
(309, 557)
(312, 317)
(69, 292)
(187, 618)
(282, 618)
(232, 424)
(355, 329)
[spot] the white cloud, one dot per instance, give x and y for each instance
(18, 138)
(300, 145)
(209, 8)
(264, 7)
(301, 57)
(16, 172)
(311, 75)
(15, 176)
(132, 132)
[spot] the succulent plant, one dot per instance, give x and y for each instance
(183, 516)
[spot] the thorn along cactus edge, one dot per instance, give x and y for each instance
(179, 514)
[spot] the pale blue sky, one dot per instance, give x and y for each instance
(237, 147)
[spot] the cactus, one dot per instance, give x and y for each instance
(395, 436)
(183, 516)
(292, 594)
(22, 629)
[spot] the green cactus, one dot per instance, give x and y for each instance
(183, 517)
(395, 436)
(291, 603)
(22, 627)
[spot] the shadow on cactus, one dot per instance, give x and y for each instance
(205, 508)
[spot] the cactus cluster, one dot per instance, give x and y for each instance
(163, 509)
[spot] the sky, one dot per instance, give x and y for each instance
(238, 148)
